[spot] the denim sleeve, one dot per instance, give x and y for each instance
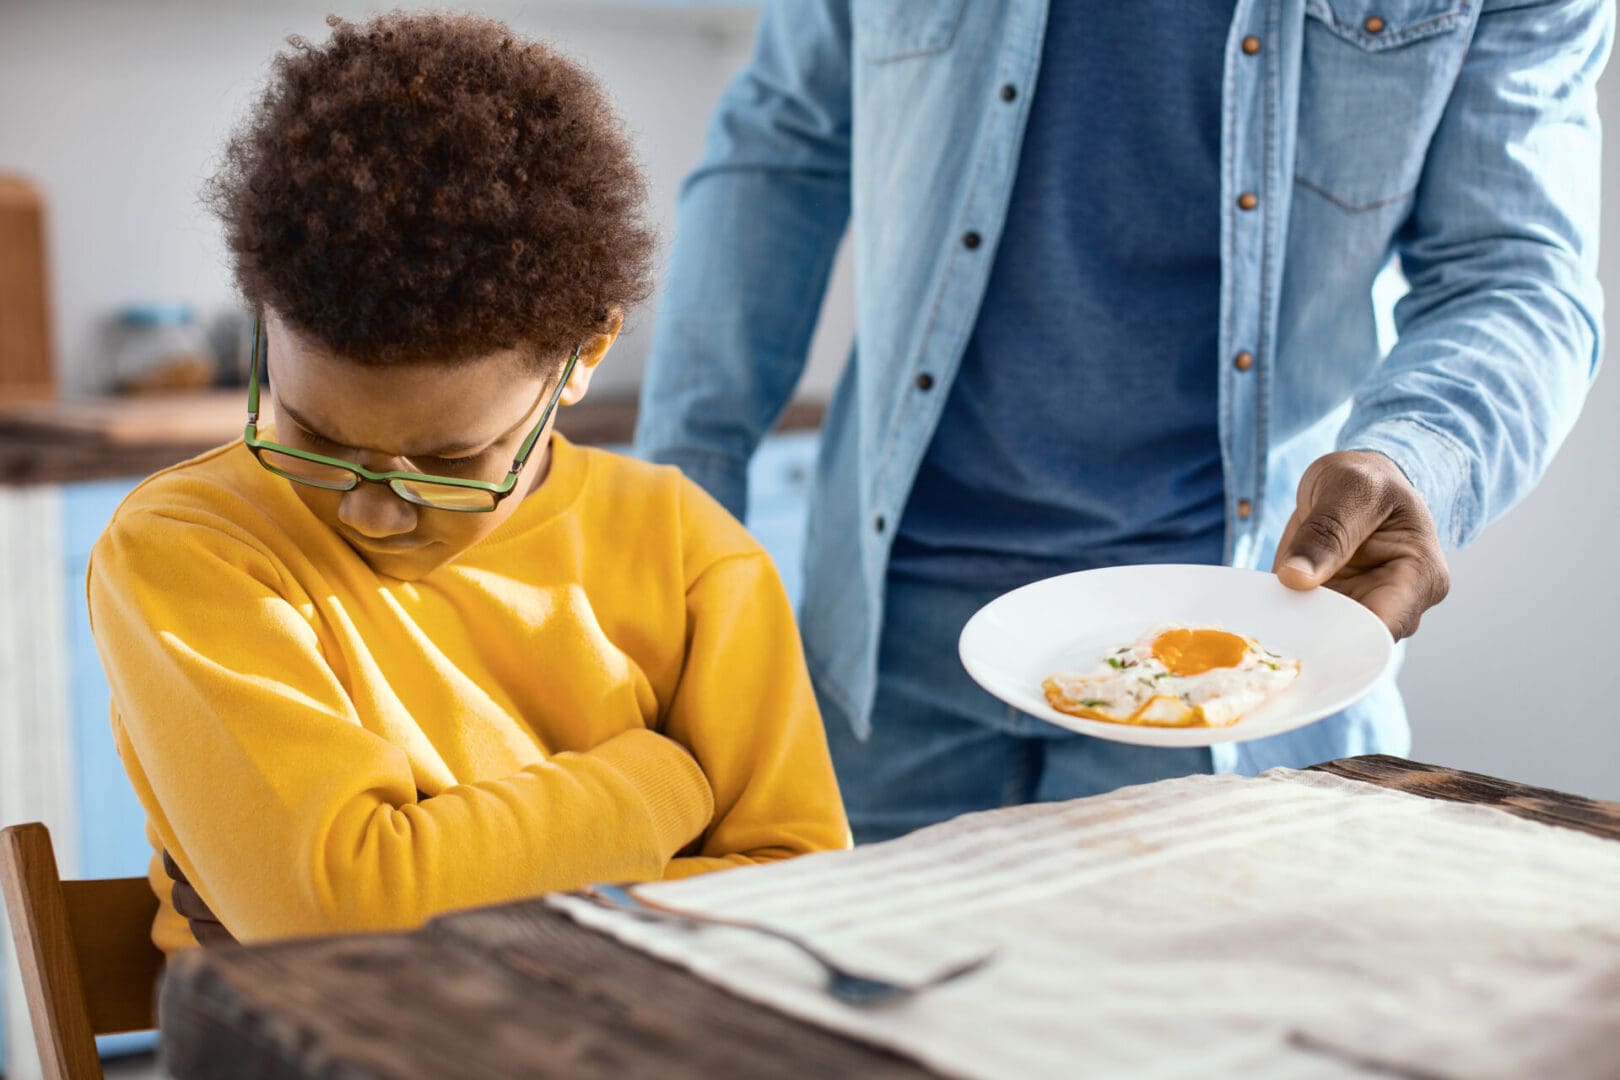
(759, 224)
(1500, 334)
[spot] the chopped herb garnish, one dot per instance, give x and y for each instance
(1092, 703)
(1270, 665)
(1116, 663)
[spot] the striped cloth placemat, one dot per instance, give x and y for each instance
(1295, 924)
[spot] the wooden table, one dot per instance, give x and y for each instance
(522, 990)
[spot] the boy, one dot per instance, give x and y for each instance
(402, 649)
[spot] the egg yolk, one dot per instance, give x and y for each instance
(1193, 652)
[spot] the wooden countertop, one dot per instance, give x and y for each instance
(99, 438)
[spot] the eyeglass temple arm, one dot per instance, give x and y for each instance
(528, 444)
(253, 376)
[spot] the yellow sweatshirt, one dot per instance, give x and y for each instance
(609, 687)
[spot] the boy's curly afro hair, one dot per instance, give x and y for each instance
(428, 187)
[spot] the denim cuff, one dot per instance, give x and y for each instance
(723, 476)
(1436, 464)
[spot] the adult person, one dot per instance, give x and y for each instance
(1114, 269)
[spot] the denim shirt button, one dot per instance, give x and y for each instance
(970, 240)
(1009, 92)
(1248, 201)
(1251, 45)
(1373, 25)
(1244, 360)
(925, 381)
(879, 524)
(1244, 509)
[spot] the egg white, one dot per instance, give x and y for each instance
(1130, 685)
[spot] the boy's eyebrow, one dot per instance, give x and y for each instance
(454, 450)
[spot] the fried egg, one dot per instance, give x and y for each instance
(1175, 676)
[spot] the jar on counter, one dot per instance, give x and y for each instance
(160, 347)
(230, 338)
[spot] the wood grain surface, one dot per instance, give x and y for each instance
(1437, 782)
(521, 990)
(26, 361)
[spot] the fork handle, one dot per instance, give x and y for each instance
(622, 899)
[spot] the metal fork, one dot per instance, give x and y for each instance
(849, 987)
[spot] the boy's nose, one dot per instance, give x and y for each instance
(375, 512)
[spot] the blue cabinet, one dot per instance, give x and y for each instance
(112, 838)
(112, 825)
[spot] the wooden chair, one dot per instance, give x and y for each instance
(88, 963)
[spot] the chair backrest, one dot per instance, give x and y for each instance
(85, 947)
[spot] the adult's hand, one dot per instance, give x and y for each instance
(205, 926)
(1361, 528)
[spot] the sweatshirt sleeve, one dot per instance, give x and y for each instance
(745, 708)
(285, 812)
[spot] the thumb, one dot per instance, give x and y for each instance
(1335, 514)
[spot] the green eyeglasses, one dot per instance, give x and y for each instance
(458, 494)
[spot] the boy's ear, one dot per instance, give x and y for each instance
(591, 353)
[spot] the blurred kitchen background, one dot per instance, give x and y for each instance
(114, 112)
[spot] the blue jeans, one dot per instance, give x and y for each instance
(942, 746)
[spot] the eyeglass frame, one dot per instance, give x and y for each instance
(361, 474)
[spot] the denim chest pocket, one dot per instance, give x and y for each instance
(1374, 81)
(886, 30)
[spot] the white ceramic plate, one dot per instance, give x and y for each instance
(1065, 623)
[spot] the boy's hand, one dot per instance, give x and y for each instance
(207, 929)
(1361, 528)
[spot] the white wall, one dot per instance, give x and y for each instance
(119, 107)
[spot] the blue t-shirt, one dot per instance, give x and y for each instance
(1081, 430)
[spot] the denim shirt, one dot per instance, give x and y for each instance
(1104, 292)
(1459, 137)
